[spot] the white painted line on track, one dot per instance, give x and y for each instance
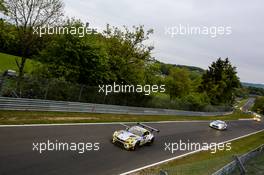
(246, 119)
(184, 155)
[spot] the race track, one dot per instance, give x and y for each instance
(17, 157)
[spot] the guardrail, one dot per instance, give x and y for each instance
(23, 104)
(239, 162)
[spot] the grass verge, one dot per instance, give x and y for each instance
(204, 163)
(241, 103)
(27, 117)
(9, 62)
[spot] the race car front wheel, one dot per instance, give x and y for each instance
(136, 146)
(113, 141)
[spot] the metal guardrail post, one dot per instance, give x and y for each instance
(46, 92)
(14, 94)
(239, 161)
(1, 84)
(80, 93)
(163, 172)
(240, 165)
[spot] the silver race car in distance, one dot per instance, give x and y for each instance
(135, 136)
(218, 124)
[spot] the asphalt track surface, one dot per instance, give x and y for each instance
(17, 157)
(248, 104)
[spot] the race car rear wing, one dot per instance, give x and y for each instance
(143, 126)
(127, 127)
(148, 127)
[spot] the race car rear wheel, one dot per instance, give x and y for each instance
(151, 141)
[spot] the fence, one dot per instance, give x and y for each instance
(207, 167)
(238, 163)
(7, 103)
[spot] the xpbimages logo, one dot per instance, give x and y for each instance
(79, 147)
(188, 30)
(146, 89)
(80, 31)
(192, 146)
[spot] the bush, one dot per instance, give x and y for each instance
(195, 101)
(259, 105)
(190, 102)
(61, 90)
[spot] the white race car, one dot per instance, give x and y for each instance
(257, 117)
(135, 136)
(218, 124)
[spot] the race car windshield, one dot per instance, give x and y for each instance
(135, 131)
(219, 122)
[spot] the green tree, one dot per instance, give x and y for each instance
(259, 105)
(178, 83)
(75, 59)
(2, 7)
(8, 38)
(255, 91)
(220, 82)
(112, 56)
(27, 15)
(165, 68)
(153, 73)
(127, 53)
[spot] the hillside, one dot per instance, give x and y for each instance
(253, 85)
(166, 67)
(191, 68)
(9, 62)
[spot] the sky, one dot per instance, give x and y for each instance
(243, 45)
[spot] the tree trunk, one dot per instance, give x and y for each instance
(21, 66)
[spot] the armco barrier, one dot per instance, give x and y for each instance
(229, 168)
(23, 104)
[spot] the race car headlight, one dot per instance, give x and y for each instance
(115, 134)
(130, 141)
